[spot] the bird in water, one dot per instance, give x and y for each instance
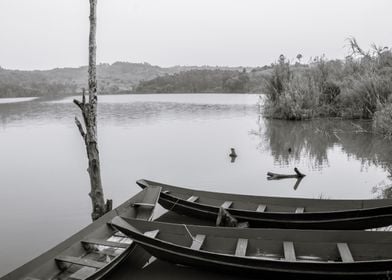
(232, 154)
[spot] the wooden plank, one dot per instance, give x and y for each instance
(300, 210)
(193, 198)
(79, 261)
(152, 233)
(227, 204)
(83, 273)
(198, 242)
(345, 253)
(105, 243)
(119, 234)
(289, 252)
(142, 204)
(261, 208)
(242, 245)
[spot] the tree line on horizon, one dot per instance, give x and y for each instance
(119, 77)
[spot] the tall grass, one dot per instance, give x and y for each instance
(358, 87)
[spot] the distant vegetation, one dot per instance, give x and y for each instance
(201, 81)
(119, 77)
(358, 87)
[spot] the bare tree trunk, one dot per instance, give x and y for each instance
(89, 112)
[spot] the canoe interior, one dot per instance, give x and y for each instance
(269, 204)
(269, 244)
(93, 251)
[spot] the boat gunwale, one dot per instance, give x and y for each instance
(143, 183)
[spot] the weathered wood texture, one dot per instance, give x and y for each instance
(89, 113)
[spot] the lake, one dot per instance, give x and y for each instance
(172, 138)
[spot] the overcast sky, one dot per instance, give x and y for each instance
(44, 34)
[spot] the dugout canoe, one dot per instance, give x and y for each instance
(276, 212)
(95, 250)
(266, 253)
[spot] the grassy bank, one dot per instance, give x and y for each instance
(358, 87)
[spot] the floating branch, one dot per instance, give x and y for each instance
(276, 176)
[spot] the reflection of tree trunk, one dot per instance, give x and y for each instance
(89, 134)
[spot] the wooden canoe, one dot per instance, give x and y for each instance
(277, 212)
(95, 250)
(287, 253)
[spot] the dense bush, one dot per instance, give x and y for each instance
(358, 87)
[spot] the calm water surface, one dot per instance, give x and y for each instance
(177, 139)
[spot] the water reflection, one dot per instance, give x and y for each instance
(121, 112)
(291, 142)
(314, 141)
(383, 189)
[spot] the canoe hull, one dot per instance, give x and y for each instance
(45, 266)
(255, 267)
(379, 215)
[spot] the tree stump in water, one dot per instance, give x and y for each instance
(89, 132)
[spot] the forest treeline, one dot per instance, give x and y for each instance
(119, 77)
(198, 81)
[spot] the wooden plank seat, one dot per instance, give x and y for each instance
(193, 198)
(227, 204)
(198, 241)
(300, 210)
(242, 245)
(345, 253)
(83, 273)
(261, 208)
(289, 252)
(105, 243)
(79, 261)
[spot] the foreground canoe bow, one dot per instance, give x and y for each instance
(294, 254)
(277, 212)
(95, 250)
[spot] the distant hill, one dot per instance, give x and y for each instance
(112, 78)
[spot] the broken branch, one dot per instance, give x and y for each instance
(80, 127)
(276, 176)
